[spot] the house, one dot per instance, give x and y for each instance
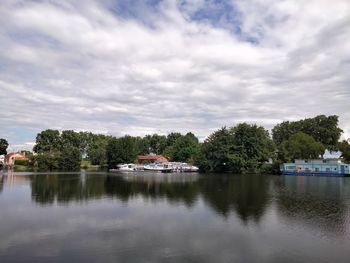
(151, 158)
(12, 157)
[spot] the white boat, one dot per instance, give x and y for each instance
(158, 167)
(128, 167)
(184, 167)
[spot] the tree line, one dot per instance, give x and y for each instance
(65, 150)
(239, 149)
(249, 148)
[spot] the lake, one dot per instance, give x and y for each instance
(146, 217)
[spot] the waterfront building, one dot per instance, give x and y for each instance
(322, 167)
(151, 158)
(12, 157)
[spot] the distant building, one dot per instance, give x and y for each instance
(12, 157)
(151, 158)
(325, 167)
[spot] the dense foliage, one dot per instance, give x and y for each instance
(47, 141)
(323, 129)
(121, 150)
(182, 148)
(300, 146)
(175, 146)
(344, 147)
(3, 146)
(58, 151)
(96, 150)
(243, 148)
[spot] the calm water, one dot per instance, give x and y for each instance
(101, 217)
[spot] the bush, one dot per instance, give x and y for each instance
(47, 161)
(23, 162)
(270, 168)
(70, 159)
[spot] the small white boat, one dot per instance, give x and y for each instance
(184, 168)
(158, 167)
(128, 167)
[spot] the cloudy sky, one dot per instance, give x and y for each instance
(140, 67)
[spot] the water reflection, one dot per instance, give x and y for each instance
(47, 189)
(1, 182)
(185, 192)
(105, 217)
(317, 201)
(246, 195)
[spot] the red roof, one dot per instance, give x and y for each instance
(19, 156)
(151, 157)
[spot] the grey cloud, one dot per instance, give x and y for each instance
(84, 68)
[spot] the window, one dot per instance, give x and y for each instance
(328, 169)
(324, 161)
(317, 169)
(335, 169)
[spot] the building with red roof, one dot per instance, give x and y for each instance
(12, 157)
(151, 158)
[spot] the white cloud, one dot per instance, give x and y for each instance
(87, 68)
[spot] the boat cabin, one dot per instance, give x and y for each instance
(329, 167)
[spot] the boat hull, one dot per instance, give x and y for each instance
(303, 173)
(163, 170)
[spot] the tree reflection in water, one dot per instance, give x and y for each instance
(317, 201)
(180, 192)
(1, 182)
(246, 195)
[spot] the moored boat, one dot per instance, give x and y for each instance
(158, 167)
(322, 167)
(184, 167)
(130, 167)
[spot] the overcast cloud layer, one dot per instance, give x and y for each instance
(159, 66)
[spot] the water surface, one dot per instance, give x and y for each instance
(145, 217)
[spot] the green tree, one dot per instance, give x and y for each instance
(251, 147)
(169, 152)
(121, 150)
(302, 146)
(215, 151)
(70, 139)
(323, 129)
(185, 148)
(57, 151)
(48, 141)
(239, 149)
(172, 137)
(47, 161)
(69, 159)
(143, 145)
(157, 143)
(3, 146)
(96, 152)
(344, 148)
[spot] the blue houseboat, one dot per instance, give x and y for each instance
(325, 167)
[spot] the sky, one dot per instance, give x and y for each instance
(140, 67)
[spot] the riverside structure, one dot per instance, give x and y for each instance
(322, 167)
